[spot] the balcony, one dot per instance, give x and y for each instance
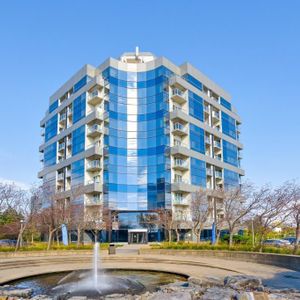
(180, 164)
(61, 147)
(178, 96)
(60, 177)
(179, 129)
(218, 174)
(94, 130)
(69, 112)
(216, 115)
(93, 165)
(218, 157)
(69, 143)
(93, 186)
(206, 109)
(209, 172)
(207, 140)
(217, 144)
(95, 97)
(178, 201)
(95, 200)
(62, 117)
(43, 131)
(68, 173)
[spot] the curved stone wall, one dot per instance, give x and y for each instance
(285, 261)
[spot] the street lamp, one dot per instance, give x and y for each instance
(21, 232)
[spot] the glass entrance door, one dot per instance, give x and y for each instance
(137, 237)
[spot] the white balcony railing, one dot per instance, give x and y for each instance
(60, 176)
(217, 144)
(93, 164)
(216, 115)
(94, 128)
(218, 174)
(61, 146)
(180, 163)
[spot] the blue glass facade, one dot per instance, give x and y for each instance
(195, 106)
(136, 177)
(53, 106)
(81, 83)
(228, 125)
(198, 172)
(79, 107)
(197, 138)
(225, 103)
(51, 128)
(193, 81)
(50, 155)
(230, 153)
(77, 176)
(231, 179)
(78, 140)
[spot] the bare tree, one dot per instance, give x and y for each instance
(180, 221)
(201, 209)
(95, 220)
(273, 210)
(237, 204)
(165, 221)
(295, 211)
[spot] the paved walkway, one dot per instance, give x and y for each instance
(127, 257)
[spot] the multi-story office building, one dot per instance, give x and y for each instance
(140, 134)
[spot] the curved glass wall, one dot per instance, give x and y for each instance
(136, 175)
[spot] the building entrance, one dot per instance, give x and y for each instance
(137, 236)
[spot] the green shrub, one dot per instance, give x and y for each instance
(221, 247)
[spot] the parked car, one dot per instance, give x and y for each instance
(291, 239)
(7, 243)
(276, 243)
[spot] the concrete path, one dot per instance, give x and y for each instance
(127, 257)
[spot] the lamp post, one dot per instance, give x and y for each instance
(253, 236)
(21, 232)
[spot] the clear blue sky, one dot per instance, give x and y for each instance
(251, 48)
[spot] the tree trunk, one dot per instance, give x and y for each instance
(218, 237)
(50, 237)
(78, 236)
(18, 243)
(57, 238)
(32, 238)
(177, 235)
(297, 237)
(170, 235)
(230, 238)
(197, 236)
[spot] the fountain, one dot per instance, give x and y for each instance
(95, 264)
(96, 283)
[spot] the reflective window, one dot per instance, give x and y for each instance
(79, 105)
(198, 172)
(228, 125)
(230, 153)
(136, 175)
(81, 83)
(53, 106)
(77, 176)
(225, 103)
(193, 81)
(195, 106)
(231, 179)
(51, 128)
(50, 155)
(78, 140)
(197, 138)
